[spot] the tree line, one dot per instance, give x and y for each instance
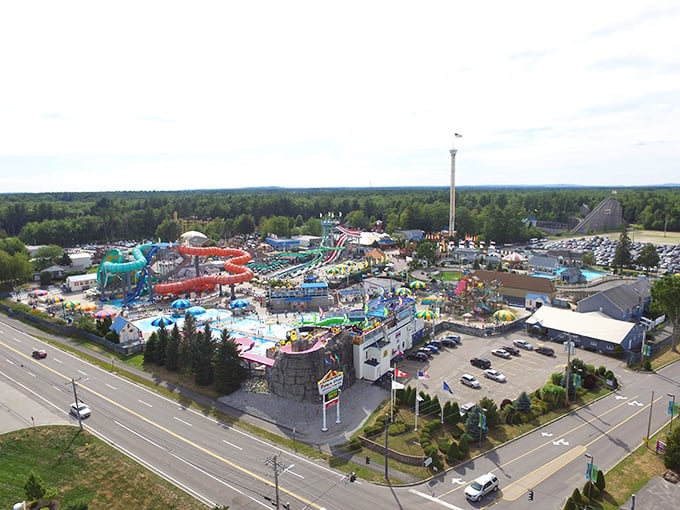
(70, 219)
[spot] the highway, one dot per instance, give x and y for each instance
(219, 464)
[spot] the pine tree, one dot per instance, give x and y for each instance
(34, 487)
(150, 348)
(202, 351)
(523, 403)
(161, 344)
(229, 372)
(172, 349)
(186, 341)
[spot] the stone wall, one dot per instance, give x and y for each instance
(295, 375)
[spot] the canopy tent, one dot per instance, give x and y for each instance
(180, 304)
(426, 315)
(404, 291)
(417, 284)
(504, 315)
(162, 320)
(71, 305)
(104, 313)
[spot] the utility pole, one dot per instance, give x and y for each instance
(387, 435)
(75, 397)
(569, 345)
(278, 468)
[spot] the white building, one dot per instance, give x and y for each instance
(81, 261)
(80, 282)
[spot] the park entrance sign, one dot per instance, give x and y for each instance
(329, 388)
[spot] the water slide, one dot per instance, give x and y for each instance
(234, 265)
(114, 262)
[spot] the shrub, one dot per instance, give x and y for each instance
(443, 445)
(398, 428)
(523, 402)
(556, 378)
(464, 446)
(453, 453)
(506, 402)
(600, 482)
(601, 370)
(648, 366)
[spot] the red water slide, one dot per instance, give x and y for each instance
(234, 265)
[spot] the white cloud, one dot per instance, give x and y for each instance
(172, 95)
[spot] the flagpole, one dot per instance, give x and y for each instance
(416, 427)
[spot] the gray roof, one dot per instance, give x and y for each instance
(588, 324)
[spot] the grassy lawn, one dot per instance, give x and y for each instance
(82, 469)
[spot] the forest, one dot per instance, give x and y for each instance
(492, 213)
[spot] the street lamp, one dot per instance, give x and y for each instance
(672, 410)
(589, 472)
(482, 424)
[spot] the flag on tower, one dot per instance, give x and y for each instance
(397, 385)
(423, 375)
(446, 387)
(458, 135)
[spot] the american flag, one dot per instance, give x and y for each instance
(423, 375)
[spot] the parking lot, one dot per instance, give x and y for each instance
(527, 371)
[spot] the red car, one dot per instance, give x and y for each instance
(39, 354)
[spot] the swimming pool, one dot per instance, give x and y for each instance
(588, 273)
(265, 334)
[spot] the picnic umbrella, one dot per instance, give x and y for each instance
(180, 304)
(404, 291)
(71, 305)
(467, 315)
(162, 320)
(196, 310)
(504, 315)
(86, 307)
(104, 313)
(56, 299)
(426, 315)
(239, 303)
(333, 270)
(37, 292)
(417, 284)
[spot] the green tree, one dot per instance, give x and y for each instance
(493, 417)
(161, 346)
(202, 351)
(172, 349)
(453, 453)
(185, 343)
(588, 258)
(244, 224)
(622, 255)
(169, 230)
(229, 372)
(648, 257)
(671, 457)
(35, 487)
(472, 425)
(523, 403)
(150, 348)
(427, 250)
(47, 256)
(666, 297)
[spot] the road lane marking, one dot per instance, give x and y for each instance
(112, 387)
(81, 372)
(435, 500)
(140, 436)
(521, 486)
(232, 444)
(145, 403)
(182, 421)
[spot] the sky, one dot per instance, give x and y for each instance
(169, 95)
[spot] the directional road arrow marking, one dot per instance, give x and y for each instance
(620, 397)
(635, 403)
(547, 434)
(561, 442)
(458, 481)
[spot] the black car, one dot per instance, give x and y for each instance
(418, 356)
(546, 351)
(426, 352)
(448, 342)
(453, 338)
(437, 343)
(512, 350)
(482, 363)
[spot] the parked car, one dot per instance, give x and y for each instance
(418, 356)
(481, 363)
(490, 373)
(39, 354)
(447, 342)
(454, 338)
(78, 408)
(436, 343)
(466, 408)
(481, 486)
(501, 353)
(426, 352)
(432, 348)
(546, 351)
(469, 380)
(523, 344)
(512, 350)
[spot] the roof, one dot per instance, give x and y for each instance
(119, 323)
(588, 324)
(517, 281)
(541, 261)
(82, 277)
(375, 253)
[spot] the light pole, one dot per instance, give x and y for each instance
(589, 472)
(482, 424)
(672, 410)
